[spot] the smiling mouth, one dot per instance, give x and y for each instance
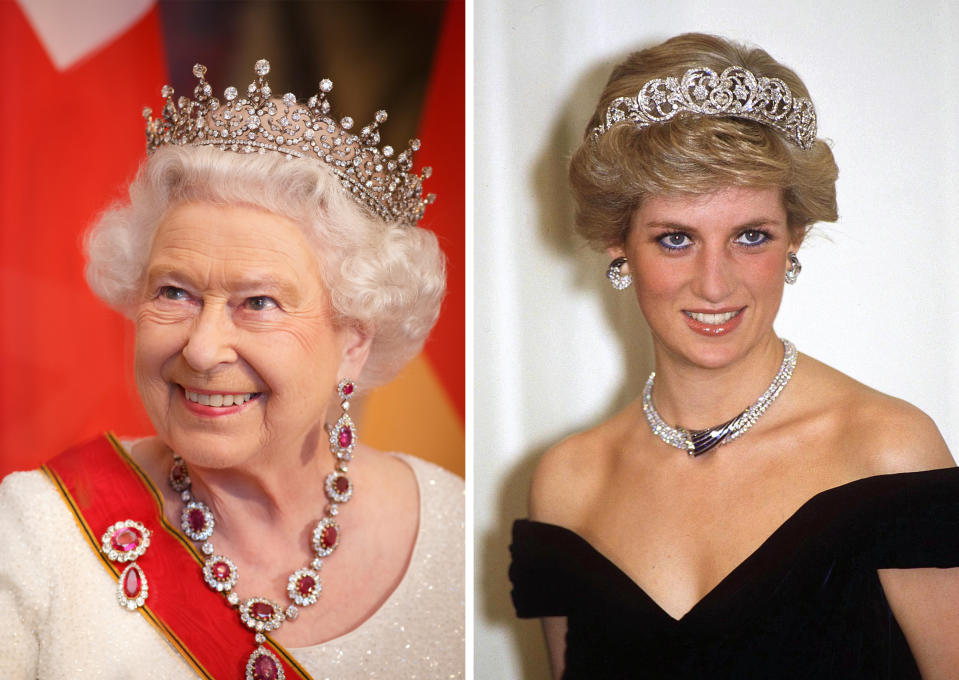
(712, 319)
(220, 399)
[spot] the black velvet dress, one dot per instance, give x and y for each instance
(806, 604)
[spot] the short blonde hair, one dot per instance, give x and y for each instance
(692, 153)
(386, 279)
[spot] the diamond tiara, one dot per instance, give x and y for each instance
(376, 178)
(736, 92)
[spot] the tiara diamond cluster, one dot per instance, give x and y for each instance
(255, 122)
(736, 92)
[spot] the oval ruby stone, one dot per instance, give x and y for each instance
(305, 585)
(131, 584)
(178, 473)
(264, 668)
(328, 537)
(221, 571)
(126, 540)
(348, 388)
(197, 519)
(346, 437)
(261, 611)
(341, 484)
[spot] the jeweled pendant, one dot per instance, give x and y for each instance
(339, 489)
(220, 573)
(197, 521)
(709, 438)
(326, 536)
(132, 589)
(304, 587)
(264, 665)
(261, 614)
(343, 437)
(179, 478)
(125, 541)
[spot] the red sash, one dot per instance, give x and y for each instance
(102, 485)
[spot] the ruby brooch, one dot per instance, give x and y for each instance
(261, 615)
(123, 542)
(132, 588)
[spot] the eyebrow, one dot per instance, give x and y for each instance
(678, 226)
(265, 283)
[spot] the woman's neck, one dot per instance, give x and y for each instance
(697, 397)
(269, 497)
(274, 497)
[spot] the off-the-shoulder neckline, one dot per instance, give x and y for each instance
(892, 479)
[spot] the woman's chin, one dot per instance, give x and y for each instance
(714, 354)
(213, 450)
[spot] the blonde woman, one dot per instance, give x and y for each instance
(754, 513)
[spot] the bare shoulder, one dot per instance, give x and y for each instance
(571, 473)
(561, 480)
(387, 476)
(904, 438)
(885, 434)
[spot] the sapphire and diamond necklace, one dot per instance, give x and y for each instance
(697, 442)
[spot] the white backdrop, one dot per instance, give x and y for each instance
(557, 350)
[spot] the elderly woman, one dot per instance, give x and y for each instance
(753, 513)
(269, 257)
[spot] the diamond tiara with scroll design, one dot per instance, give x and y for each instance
(377, 178)
(736, 92)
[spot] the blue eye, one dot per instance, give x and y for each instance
(676, 240)
(752, 237)
(261, 303)
(172, 293)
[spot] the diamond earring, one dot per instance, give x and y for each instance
(794, 268)
(617, 278)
